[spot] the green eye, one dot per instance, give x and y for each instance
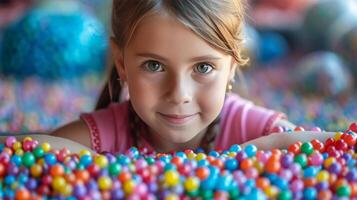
(203, 68)
(153, 66)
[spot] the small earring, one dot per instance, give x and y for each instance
(230, 86)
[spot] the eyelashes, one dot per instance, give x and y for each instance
(155, 66)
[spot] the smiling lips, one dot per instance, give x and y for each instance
(177, 119)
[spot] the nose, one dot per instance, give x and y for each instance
(179, 91)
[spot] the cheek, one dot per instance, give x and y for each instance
(211, 98)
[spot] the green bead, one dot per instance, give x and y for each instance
(307, 148)
(38, 152)
(301, 159)
(194, 193)
(206, 194)
(80, 166)
(114, 169)
(28, 159)
(285, 195)
(343, 191)
(150, 160)
(234, 193)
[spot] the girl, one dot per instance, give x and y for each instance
(177, 59)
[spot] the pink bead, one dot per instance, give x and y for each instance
(316, 159)
(318, 129)
(251, 173)
(10, 141)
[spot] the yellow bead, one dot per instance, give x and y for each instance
(84, 152)
(19, 152)
(172, 197)
(105, 183)
(232, 154)
(200, 156)
(66, 190)
(101, 161)
(17, 145)
(337, 135)
(271, 191)
(14, 185)
(58, 182)
(329, 161)
(191, 184)
(191, 156)
(128, 186)
(172, 178)
(46, 147)
(36, 170)
(323, 175)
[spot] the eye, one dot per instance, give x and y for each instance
(153, 66)
(203, 68)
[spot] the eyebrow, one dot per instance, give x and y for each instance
(199, 58)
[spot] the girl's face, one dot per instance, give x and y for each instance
(176, 80)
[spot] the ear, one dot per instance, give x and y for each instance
(118, 59)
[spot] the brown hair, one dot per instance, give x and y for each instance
(219, 22)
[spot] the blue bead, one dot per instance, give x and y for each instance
(50, 159)
(9, 179)
(235, 148)
(310, 193)
(202, 163)
(17, 160)
(86, 160)
(310, 172)
(250, 150)
(231, 164)
(214, 154)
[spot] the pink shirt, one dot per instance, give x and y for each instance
(241, 121)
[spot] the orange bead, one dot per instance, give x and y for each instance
(202, 173)
(124, 176)
(22, 194)
(325, 194)
(353, 189)
(70, 178)
(262, 183)
(310, 182)
(332, 178)
(82, 175)
(246, 164)
(272, 167)
(210, 159)
(57, 170)
(177, 161)
(218, 163)
(340, 182)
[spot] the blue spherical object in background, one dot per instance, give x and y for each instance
(58, 41)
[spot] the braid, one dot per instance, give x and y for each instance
(207, 142)
(135, 125)
(111, 91)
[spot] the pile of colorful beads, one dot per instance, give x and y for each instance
(311, 170)
(35, 105)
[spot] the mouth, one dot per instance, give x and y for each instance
(177, 119)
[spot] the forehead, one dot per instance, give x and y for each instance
(163, 33)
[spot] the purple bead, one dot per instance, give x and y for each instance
(103, 172)
(322, 186)
(111, 158)
(116, 184)
(153, 187)
(296, 185)
(334, 168)
(92, 185)
(141, 163)
(351, 176)
(31, 184)
(241, 156)
(297, 195)
(117, 194)
(286, 174)
(12, 169)
(287, 160)
(347, 156)
(295, 168)
(79, 190)
(10, 141)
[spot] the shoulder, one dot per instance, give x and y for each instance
(76, 131)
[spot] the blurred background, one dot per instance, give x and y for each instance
(54, 59)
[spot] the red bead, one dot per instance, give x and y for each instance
(329, 142)
(353, 127)
(43, 190)
(294, 148)
(341, 145)
(299, 128)
(177, 161)
(93, 169)
(202, 172)
(319, 146)
(184, 170)
(350, 140)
